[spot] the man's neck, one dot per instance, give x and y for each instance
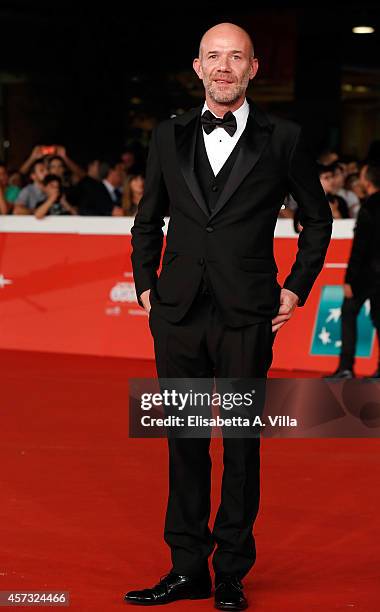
(219, 109)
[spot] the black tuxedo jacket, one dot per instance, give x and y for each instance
(92, 198)
(363, 270)
(235, 242)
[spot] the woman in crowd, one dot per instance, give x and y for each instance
(133, 191)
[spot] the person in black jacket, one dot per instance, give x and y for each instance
(220, 172)
(98, 193)
(362, 279)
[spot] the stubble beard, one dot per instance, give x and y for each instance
(227, 97)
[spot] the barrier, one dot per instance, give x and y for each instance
(66, 285)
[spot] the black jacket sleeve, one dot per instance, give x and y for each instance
(147, 234)
(315, 217)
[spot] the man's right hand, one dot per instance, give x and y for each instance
(145, 298)
(37, 152)
(347, 289)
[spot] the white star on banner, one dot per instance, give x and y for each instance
(4, 281)
(324, 336)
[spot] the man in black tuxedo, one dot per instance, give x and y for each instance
(100, 195)
(221, 172)
(362, 278)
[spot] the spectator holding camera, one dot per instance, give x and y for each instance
(55, 202)
(36, 154)
(61, 165)
(58, 162)
(33, 194)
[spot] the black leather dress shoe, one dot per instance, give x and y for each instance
(172, 587)
(229, 593)
(342, 374)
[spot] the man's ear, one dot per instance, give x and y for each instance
(197, 67)
(254, 67)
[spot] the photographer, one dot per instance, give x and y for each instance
(362, 278)
(58, 162)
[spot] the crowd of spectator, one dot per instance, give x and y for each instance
(49, 182)
(342, 182)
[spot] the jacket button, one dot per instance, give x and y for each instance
(214, 188)
(201, 261)
(209, 228)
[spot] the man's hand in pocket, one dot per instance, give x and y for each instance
(145, 298)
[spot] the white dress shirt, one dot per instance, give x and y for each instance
(111, 190)
(219, 144)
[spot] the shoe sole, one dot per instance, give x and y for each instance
(226, 607)
(165, 603)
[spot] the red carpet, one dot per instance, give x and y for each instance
(82, 505)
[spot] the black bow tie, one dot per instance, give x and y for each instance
(210, 122)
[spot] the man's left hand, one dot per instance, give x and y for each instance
(288, 302)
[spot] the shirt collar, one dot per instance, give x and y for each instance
(110, 187)
(241, 114)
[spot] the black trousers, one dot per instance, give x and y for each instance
(350, 311)
(202, 346)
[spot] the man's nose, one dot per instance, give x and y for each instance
(224, 64)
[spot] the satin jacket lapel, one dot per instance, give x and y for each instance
(185, 137)
(255, 138)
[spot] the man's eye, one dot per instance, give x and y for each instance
(212, 56)
(236, 56)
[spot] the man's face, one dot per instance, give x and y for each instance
(39, 173)
(225, 65)
(352, 167)
(56, 167)
(93, 169)
(363, 179)
(115, 176)
(326, 181)
(338, 180)
(358, 188)
(137, 184)
(52, 188)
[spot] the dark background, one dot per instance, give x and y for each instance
(96, 79)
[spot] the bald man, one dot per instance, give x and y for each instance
(221, 172)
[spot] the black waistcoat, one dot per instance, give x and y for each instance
(210, 184)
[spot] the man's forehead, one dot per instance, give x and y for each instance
(218, 42)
